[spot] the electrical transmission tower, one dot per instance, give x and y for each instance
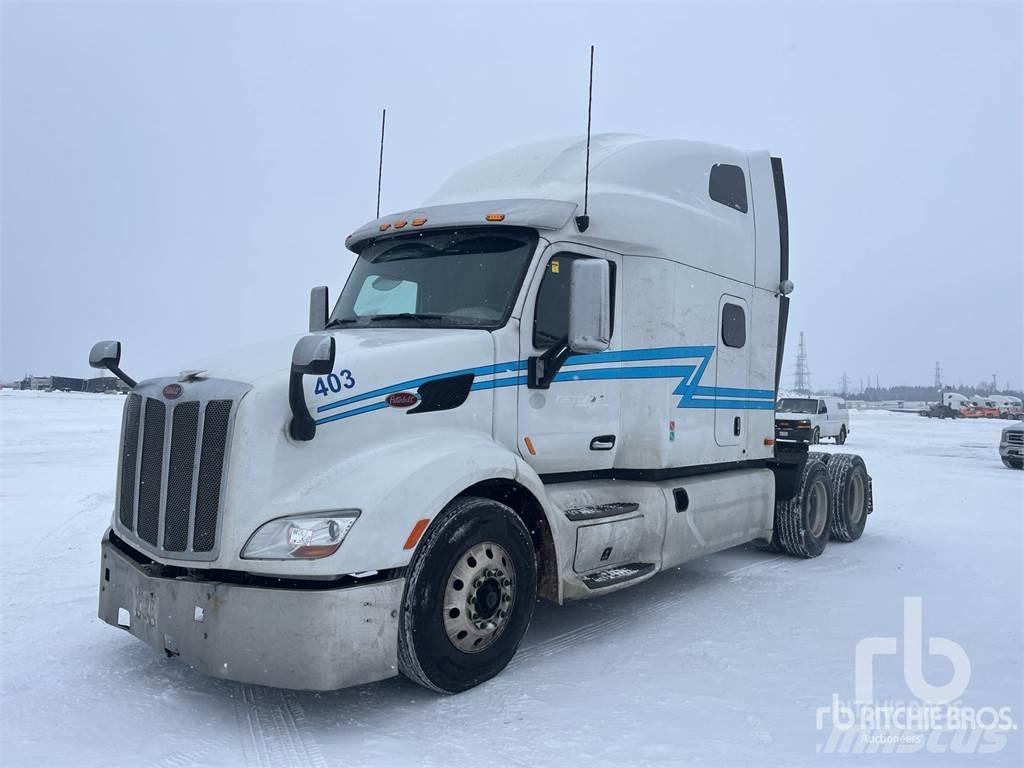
(801, 374)
(938, 376)
(846, 382)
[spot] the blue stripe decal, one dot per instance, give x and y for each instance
(353, 412)
(484, 370)
(690, 394)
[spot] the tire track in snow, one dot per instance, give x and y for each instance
(605, 626)
(272, 726)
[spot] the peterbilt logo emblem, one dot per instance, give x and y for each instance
(173, 391)
(401, 399)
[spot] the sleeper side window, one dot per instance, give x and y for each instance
(734, 325)
(728, 186)
(551, 315)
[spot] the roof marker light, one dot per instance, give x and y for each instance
(400, 223)
(384, 227)
(495, 217)
(419, 221)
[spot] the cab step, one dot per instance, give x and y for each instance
(598, 511)
(617, 574)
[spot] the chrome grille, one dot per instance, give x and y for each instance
(173, 459)
(1016, 437)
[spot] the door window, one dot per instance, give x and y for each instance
(551, 316)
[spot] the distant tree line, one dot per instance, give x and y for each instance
(925, 394)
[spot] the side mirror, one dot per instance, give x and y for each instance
(107, 355)
(590, 321)
(313, 355)
(590, 312)
(318, 309)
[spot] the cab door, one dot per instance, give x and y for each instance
(732, 361)
(574, 425)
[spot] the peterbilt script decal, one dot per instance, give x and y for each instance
(686, 365)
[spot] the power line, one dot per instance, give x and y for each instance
(801, 373)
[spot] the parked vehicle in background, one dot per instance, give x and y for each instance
(955, 401)
(942, 411)
(808, 419)
(981, 407)
(1011, 446)
(1008, 405)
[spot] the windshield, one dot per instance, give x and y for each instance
(465, 278)
(797, 405)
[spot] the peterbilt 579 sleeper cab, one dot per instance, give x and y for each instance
(507, 401)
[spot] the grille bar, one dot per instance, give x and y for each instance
(178, 507)
(211, 470)
(151, 470)
(129, 455)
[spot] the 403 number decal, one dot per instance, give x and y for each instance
(334, 382)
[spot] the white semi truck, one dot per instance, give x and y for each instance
(508, 400)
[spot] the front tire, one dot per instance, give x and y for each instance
(1014, 463)
(841, 437)
(815, 436)
(469, 596)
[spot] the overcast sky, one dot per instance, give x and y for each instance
(178, 175)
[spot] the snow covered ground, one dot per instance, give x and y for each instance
(723, 662)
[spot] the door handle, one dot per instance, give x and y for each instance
(736, 426)
(602, 443)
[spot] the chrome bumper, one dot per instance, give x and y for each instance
(306, 639)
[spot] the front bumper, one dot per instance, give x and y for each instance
(306, 639)
(794, 434)
(1011, 450)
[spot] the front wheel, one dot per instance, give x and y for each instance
(1013, 463)
(815, 436)
(841, 437)
(469, 596)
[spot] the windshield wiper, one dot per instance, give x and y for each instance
(419, 317)
(341, 321)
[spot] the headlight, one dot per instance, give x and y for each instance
(304, 537)
(805, 423)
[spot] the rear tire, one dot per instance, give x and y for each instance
(802, 524)
(469, 596)
(850, 493)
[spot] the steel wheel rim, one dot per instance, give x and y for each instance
(817, 509)
(855, 498)
(478, 597)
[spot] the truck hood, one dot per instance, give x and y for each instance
(271, 358)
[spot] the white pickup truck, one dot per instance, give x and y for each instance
(508, 400)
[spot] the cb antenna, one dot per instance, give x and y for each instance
(380, 165)
(582, 222)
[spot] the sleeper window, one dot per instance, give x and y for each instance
(734, 325)
(728, 186)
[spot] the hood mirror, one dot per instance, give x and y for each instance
(318, 308)
(107, 355)
(314, 356)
